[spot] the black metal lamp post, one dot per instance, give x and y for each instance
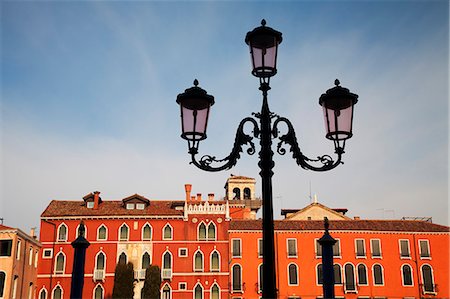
(80, 245)
(327, 242)
(337, 105)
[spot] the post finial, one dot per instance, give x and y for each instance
(263, 22)
(336, 82)
(326, 224)
(195, 82)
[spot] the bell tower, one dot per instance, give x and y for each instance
(240, 193)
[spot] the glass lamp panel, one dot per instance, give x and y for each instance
(264, 61)
(338, 123)
(194, 123)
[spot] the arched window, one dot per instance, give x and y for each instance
(98, 292)
(42, 294)
(407, 275)
(337, 274)
(60, 263)
(167, 232)
(122, 259)
(2, 283)
(320, 274)
(57, 292)
(260, 278)
(166, 292)
(146, 232)
(145, 260)
(30, 257)
(102, 233)
(62, 233)
(100, 262)
(237, 279)
(18, 250)
(198, 292)
(215, 292)
(362, 274)
(293, 274)
(123, 233)
(350, 284)
(211, 231)
(377, 275)
(236, 193)
(247, 193)
(202, 231)
(77, 231)
(215, 261)
(427, 278)
(198, 261)
(167, 265)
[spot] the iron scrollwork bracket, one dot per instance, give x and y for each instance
(206, 161)
(290, 139)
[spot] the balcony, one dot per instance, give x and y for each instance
(99, 275)
(166, 274)
(139, 274)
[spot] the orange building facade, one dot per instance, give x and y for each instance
(211, 249)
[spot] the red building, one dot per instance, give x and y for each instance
(209, 248)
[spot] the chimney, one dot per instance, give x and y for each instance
(199, 197)
(96, 199)
(357, 218)
(187, 189)
(210, 196)
(33, 232)
(193, 198)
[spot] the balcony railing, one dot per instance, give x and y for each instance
(99, 275)
(166, 274)
(139, 274)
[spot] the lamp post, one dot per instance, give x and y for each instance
(337, 104)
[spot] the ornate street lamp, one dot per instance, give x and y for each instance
(337, 104)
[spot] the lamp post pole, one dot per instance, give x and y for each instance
(337, 104)
(327, 242)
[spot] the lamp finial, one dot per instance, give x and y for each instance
(263, 22)
(196, 82)
(336, 82)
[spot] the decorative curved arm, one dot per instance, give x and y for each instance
(241, 139)
(290, 138)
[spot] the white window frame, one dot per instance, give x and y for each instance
(232, 248)
(203, 261)
(62, 291)
(288, 274)
(85, 231)
(382, 275)
(118, 257)
(67, 232)
(210, 290)
(96, 256)
(210, 261)
(171, 232)
(357, 275)
(56, 263)
(317, 274)
(151, 232)
(198, 231)
(128, 233)
(171, 263)
(420, 249)
(18, 247)
(215, 231)
(259, 278)
(316, 247)
(371, 249)
(130, 206)
(400, 249)
(183, 283)
(338, 244)
(40, 293)
(106, 233)
(95, 287)
(140, 206)
(403, 277)
(363, 248)
(287, 247)
(47, 250)
(232, 278)
(340, 273)
(260, 247)
(30, 256)
(344, 280)
(432, 276)
(90, 204)
(179, 252)
(162, 289)
(142, 258)
(203, 290)
(36, 255)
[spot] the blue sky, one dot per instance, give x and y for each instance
(88, 100)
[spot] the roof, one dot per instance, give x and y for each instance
(335, 212)
(61, 208)
(4, 227)
(361, 225)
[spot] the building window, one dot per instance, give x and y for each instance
(293, 274)
(215, 261)
(336, 249)
(14, 291)
(60, 263)
(198, 292)
(337, 274)
(237, 193)
(375, 247)
(147, 232)
(167, 232)
(47, 253)
(215, 292)
(407, 275)
(427, 279)
(62, 233)
(140, 206)
(130, 206)
(237, 279)
(350, 284)
(30, 291)
(102, 233)
(98, 293)
(17, 250)
(145, 260)
(377, 275)
(182, 285)
(362, 274)
(90, 204)
(320, 274)
(198, 261)
(182, 252)
(42, 294)
(57, 292)
(122, 259)
(123, 233)
(100, 262)
(247, 193)
(202, 231)
(236, 249)
(36, 254)
(211, 231)
(167, 266)
(360, 248)
(260, 248)
(77, 231)
(424, 247)
(292, 247)
(30, 256)
(5, 247)
(2, 283)
(404, 249)
(166, 292)
(260, 278)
